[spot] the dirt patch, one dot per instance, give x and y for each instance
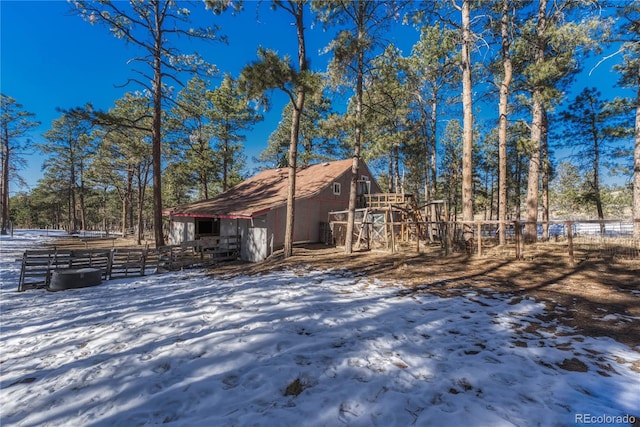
(294, 388)
(96, 243)
(573, 364)
(595, 297)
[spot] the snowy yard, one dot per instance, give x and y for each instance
(292, 348)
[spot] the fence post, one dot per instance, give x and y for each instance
(569, 226)
(518, 235)
(479, 239)
(447, 240)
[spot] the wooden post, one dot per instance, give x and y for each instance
(393, 231)
(386, 228)
(447, 228)
(479, 239)
(518, 235)
(569, 226)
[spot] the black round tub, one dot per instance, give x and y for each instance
(71, 278)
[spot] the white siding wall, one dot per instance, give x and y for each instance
(181, 230)
(229, 227)
(253, 246)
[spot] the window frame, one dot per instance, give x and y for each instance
(337, 188)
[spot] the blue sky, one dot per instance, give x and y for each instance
(52, 59)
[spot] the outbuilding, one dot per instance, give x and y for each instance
(255, 209)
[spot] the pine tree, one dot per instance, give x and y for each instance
(451, 165)
(190, 127)
(15, 124)
(148, 25)
(353, 50)
(546, 57)
(314, 144)
(432, 69)
(272, 72)
(123, 159)
(629, 70)
(229, 116)
(467, 113)
(69, 147)
(590, 132)
(387, 101)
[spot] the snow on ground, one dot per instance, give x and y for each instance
(292, 348)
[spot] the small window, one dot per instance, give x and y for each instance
(336, 188)
(207, 227)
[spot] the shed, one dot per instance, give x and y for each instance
(255, 209)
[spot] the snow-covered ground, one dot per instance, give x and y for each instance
(295, 348)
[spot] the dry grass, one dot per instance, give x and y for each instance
(96, 243)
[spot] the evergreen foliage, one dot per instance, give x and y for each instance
(403, 112)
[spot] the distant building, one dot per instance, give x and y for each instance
(255, 210)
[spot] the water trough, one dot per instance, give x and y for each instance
(72, 278)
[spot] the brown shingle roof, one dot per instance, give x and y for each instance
(264, 191)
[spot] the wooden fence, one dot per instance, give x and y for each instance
(38, 265)
(586, 239)
(576, 239)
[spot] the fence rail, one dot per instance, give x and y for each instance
(38, 265)
(588, 239)
(585, 239)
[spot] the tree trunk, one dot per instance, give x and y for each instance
(492, 196)
(596, 178)
(502, 129)
(204, 180)
(81, 190)
(140, 221)
(398, 184)
(156, 129)
(467, 133)
(533, 183)
(293, 160)
(636, 168)
(433, 165)
(225, 161)
(296, 115)
(355, 167)
(518, 185)
(123, 216)
(391, 175)
(4, 180)
(104, 212)
(546, 171)
(432, 170)
(130, 175)
(530, 232)
(143, 178)
(73, 218)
